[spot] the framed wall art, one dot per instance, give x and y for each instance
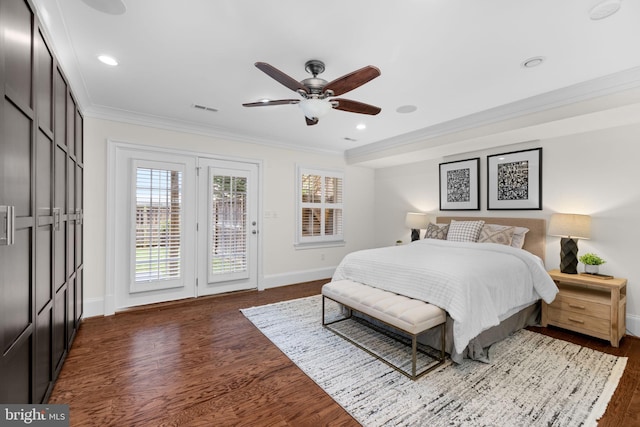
(460, 185)
(514, 180)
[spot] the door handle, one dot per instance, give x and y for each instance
(56, 219)
(7, 225)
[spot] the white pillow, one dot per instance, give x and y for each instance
(464, 231)
(518, 237)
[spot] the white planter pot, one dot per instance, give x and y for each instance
(592, 269)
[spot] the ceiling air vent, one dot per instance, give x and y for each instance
(205, 108)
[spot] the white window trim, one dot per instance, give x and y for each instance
(317, 241)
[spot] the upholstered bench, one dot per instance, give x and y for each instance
(411, 316)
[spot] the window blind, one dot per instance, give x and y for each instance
(158, 220)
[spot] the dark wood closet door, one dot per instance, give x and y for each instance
(41, 182)
(16, 150)
(43, 367)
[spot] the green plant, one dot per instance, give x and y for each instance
(591, 259)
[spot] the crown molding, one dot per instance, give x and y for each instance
(586, 91)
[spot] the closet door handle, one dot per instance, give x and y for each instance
(56, 219)
(7, 225)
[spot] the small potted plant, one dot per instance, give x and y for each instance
(591, 263)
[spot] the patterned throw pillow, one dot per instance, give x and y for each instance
(492, 233)
(437, 231)
(464, 231)
(518, 237)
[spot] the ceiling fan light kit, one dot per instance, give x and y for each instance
(315, 108)
(315, 91)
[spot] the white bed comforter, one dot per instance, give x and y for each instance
(478, 284)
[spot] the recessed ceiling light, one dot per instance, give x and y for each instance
(361, 126)
(406, 109)
(532, 62)
(109, 60)
(604, 9)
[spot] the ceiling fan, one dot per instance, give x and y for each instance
(316, 91)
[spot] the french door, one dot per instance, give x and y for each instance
(154, 202)
(183, 226)
(227, 226)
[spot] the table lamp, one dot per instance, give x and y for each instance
(570, 227)
(416, 221)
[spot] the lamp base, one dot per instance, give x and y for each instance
(568, 255)
(415, 234)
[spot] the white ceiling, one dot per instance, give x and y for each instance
(458, 61)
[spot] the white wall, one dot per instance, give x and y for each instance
(595, 173)
(282, 264)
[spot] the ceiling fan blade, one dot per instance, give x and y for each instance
(269, 103)
(356, 107)
(352, 80)
(281, 77)
(311, 122)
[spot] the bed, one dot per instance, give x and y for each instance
(489, 290)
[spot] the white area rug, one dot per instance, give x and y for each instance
(532, 380)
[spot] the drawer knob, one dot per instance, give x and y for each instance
(576, 320)
(581, 307)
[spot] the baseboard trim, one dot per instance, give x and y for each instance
(290, 278)
(93, 307)
(633, 325)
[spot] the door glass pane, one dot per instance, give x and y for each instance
(228, 224)
(158, 224)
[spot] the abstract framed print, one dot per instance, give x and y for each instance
(460, 185)
(514, 180)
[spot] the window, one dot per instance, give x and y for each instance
(228, 226)
(320, 206)
(158, 225)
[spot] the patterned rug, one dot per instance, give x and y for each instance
(532, 380)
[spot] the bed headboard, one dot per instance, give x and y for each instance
(535, 240)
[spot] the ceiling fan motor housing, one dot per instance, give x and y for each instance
(315, 85)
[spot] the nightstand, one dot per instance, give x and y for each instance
(589, 305)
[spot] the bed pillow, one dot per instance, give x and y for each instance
(493, 233)
(464, 231)
(437, 231)
(518, 237)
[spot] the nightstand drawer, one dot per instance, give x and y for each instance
(580, 322)
(582, 306)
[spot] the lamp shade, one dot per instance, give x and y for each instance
(570, 225)
(315, 108)
(416, 221)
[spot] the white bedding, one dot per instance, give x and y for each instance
(478, 284)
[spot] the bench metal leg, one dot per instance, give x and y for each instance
(414, 344)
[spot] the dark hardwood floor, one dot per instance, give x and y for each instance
(202, 363)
